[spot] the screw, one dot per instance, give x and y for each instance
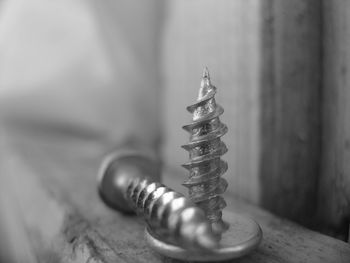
(124, 184)
(205, 148)
(237, 235)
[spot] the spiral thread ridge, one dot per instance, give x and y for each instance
(170, 216)
(205, 148)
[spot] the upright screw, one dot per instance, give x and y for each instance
(124, 184)
(205, 148)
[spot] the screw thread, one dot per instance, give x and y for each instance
(170, 215)
(205, 148)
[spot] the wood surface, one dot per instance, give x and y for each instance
(334, 193)
(290, 123)
(52, 178)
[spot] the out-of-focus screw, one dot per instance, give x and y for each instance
(205, 148)
(124, 183)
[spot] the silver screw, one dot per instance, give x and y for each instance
(205, 148)
(238, 235)
(124, 184)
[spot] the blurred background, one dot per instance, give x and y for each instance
(123, 72)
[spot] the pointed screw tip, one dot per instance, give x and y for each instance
(206, 86)
(206, 73)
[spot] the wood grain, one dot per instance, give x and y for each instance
(52, 179)
(334, 193)
(290, 108)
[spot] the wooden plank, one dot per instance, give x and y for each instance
(225, 36)
(334, 193)
(290, 108)
(53, 180)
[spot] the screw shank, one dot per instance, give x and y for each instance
(205, 149)
(126, 184)
(170, 216)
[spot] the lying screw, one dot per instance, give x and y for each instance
(205, 184)
(170, 217)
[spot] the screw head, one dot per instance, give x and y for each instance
(118, 169)
(243, 236)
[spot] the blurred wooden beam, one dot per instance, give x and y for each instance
(290, 108)
(334, 193)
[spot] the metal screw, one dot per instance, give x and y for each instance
(238, 235)
(124, 184)
(205, 148)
